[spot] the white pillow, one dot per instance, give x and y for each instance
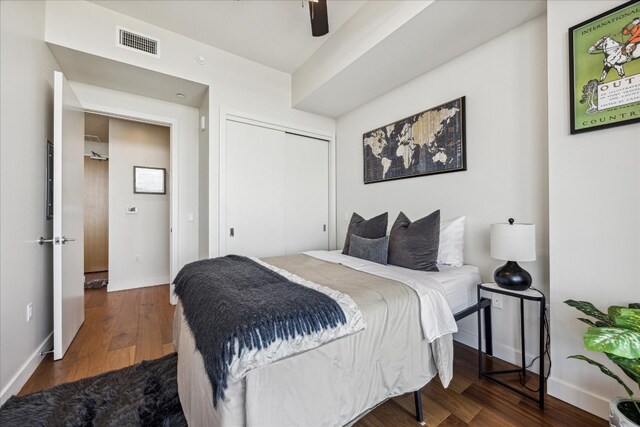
(451, 250)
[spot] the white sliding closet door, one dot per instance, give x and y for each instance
(255, 190)
(307, 194)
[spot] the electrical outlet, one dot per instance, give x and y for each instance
(29, 311)
(136, 259)
(497, 300)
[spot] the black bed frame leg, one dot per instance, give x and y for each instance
(488, 345)
(418, 399)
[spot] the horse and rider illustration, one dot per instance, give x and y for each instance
(616, 54)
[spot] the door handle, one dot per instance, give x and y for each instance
(41, 241)
(65, 239)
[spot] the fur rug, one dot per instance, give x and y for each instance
(95, 284)
(145, 394)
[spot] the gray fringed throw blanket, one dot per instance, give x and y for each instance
(234, 299)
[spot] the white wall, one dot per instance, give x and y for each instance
(594, 219)
(506, 154)
(26, 117)
(235, 83)
(145, 234)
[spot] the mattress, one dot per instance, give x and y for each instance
(335, 383)
(457, 284)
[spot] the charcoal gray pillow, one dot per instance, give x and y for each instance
(415, 244)
(373, 228)
(374, 250)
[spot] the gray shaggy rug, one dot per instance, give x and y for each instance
(95, 283)
(145, 394)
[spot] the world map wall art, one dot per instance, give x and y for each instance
(427, 143)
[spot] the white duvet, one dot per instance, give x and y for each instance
(436, 317)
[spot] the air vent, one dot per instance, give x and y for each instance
(137, 42)
(92, 138)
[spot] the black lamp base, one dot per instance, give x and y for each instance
(512, 276)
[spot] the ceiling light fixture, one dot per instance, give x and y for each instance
(180, 95)
(201, 59)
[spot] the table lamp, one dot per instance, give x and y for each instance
(513, 242)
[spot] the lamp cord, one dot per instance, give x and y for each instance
(547, 347)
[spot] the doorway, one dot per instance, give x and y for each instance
(127, 227)
(96, 201)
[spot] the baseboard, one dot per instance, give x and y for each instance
(576, 396)
(26, 370)
(144, 283)
(501, 351)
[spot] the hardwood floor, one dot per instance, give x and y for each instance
(469, 401)
(122, 328)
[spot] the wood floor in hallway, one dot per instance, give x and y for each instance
(120, 329)
(125, 327)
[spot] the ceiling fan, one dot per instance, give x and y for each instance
(319, 18)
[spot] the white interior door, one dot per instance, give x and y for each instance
(307, 194)
(255, 190)
(68, 222)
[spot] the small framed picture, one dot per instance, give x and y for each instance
(147, 180)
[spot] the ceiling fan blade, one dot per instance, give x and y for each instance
(319, 18)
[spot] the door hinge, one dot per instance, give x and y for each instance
(232, 232)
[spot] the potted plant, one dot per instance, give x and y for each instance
(617, 335)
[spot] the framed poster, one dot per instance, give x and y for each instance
(149, 180)
(604, 69)
(426, 143)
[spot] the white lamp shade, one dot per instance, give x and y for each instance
(513, 242)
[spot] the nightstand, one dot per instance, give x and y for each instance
(530, 295)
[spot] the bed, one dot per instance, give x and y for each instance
(337, 383)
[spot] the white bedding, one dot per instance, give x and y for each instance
(332, 384)
(441, 294)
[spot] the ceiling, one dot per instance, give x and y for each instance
(372, 48)
(273, 33)
(98, 71)
(429, 39)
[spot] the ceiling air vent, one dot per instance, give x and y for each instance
(138, 42)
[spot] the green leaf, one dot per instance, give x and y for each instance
(621, 342)
(614, 311)
(587, 321)
(634, 305)
(590, 310)
(631, 367)
(629, 318)
(604, 370)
